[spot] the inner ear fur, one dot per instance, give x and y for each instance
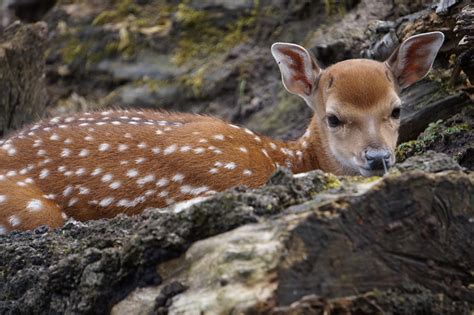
(298, 67)
(413, 59)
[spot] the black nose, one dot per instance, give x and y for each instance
(376, 158)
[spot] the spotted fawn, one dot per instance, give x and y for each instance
(97, 165)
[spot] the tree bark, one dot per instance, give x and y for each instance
(23, 94)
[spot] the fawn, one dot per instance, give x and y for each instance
(96, 165)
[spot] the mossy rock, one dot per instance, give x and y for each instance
(454, 137)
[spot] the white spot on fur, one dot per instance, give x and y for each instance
(67, 191)
(247, 172)
(122, 147)
(96, 172)
(34, 205)
(106, 202)
(230, 166)
(3, 198)
(199, 150)
(132, 173)
(140, 160)
(104, 147)
(84, 190)
(219, 137)
(84, 153)
(185, 148)
(243, 149)
(106, 178)
(163, 193)
(146, 179)
(213, 171)
(170, 149)
(44, 173)
(54, 137)
(177, 178)
(162, 182)
(80, 171)
(11, 173)
(65, 153)
(186, 189)
(72, 202)
(156, 150)
(14, 220)
(115, 185)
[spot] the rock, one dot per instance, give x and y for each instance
(147, 66)
(455, 137)
(429, 161)
(382, 48)
(222, 4)
(444, 6)
(412, 124)
(148, 97)
(328, 248)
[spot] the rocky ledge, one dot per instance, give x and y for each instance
(308, 243)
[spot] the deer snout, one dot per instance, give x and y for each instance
(378, 159)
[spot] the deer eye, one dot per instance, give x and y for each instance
(333, 121)
(395, 113)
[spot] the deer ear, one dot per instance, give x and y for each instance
(298, 68)
(413, 59)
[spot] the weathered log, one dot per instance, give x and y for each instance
(404, 237)
(23, 96)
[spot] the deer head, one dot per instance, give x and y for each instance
(356, 102)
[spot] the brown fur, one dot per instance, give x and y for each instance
(361, 83)
(70, 173)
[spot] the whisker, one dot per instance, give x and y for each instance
(384, 166)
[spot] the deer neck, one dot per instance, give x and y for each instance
(313, 145)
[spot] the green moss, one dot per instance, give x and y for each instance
(332, 182)
(200, 39)
(338, 7)
(72, 50)
(433, 133)
(153, 84)
(122, 8)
